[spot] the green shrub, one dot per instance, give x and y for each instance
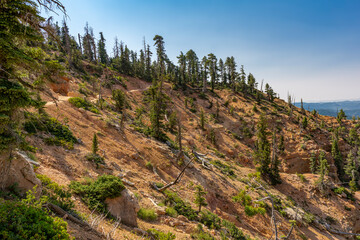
(171, 212)
(201, 234)
(82, 103)
(224, 168)
(149, 165)
(94, 193)
(95, 158)
(61, 134)
(232, 231)
(301, 177)
(120, 99)
(179, 205)
(27, 220)
(57, 194)
(247, 202)
(210, 219)
(147, 214)
(308, 218)
(158, 235)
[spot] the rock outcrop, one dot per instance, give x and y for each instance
(16, 169)
(124, 207)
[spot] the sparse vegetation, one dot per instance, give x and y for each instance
(147, 214)
(94, 192)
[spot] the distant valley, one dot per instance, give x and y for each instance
(351, 108)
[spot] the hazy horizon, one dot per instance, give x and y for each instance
(309, 49)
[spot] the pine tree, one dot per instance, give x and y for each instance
(251, 83)
(281, 144)
(340, 116)
(212, 61)
(313, 163)
(304, 123)
(95, 145)
(20, 31)
(275, 163)
(352, 169)
(103, 56)
(262, 149)
(200, 201)
(205, 65)
(120, 99)
(160, 50)
(323, 170)
(302, 107)
(336, 154)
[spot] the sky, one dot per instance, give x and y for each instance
(309, 49)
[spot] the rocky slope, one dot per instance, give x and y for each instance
(128, 153)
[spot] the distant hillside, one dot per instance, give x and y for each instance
(351, 108)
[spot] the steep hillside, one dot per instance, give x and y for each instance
(228, 140)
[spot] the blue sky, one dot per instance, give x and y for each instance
(308, 48)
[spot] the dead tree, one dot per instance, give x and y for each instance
(177, 179)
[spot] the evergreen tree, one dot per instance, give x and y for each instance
(88, 43)
(275, 163)
(95, 145)
(157, 110)
(200, 201)
(340, 116)
(302, 107)
(160, 51)
(20, 32)
(102, 50)
(352, 169)
(269, 92)
(281, 144)
(262, 149)
(120, 99)
(251, 83)
(323, 170)
(313, 163)
(336, 154)
(304, 123)
(205, 65)
(212, 60)
(182, 68)
(231, 71)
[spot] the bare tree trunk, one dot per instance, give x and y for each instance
(178, 178)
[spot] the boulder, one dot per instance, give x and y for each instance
(124, 207)
(16, 169)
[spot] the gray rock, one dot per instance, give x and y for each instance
(124, 207)
(17, 169)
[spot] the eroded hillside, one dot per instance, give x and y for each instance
(227, 140)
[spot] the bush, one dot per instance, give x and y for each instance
(82, 103)
(247, 202)
(201, 234)
(160, 235)
(95, 158)
(94, 193)
(57, 194)
(210, 219)
(179, 205)
(61, 134)
(120, 99)
(147, 214)
(224, 168)
(171, 212)
(232, 231)
(27, 220)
